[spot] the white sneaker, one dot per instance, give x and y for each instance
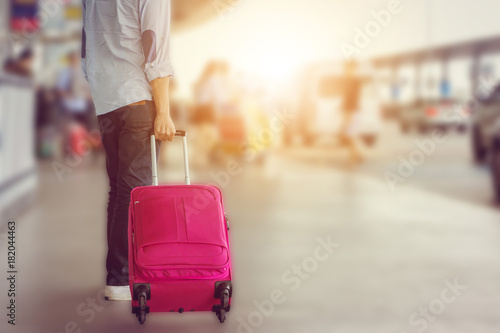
(117, 293)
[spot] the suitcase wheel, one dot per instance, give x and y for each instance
(141, 293)
(221, 315)
(223, 291)
(142, 308)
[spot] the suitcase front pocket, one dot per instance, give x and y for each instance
(182, 260)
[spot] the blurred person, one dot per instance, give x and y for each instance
(45, 122)
(351, 89)
(203, 115)
(75, 107)
(205, 91)
(221, 125)
(214, 92)
(24, 64)
(20, 66)
(75, 100)
(125, 51)
(10, 66)
(258, 122)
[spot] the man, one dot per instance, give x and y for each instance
(350, 104)
(125, 58)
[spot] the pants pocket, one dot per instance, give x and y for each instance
(139, 118)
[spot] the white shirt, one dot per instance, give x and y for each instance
(125, 45)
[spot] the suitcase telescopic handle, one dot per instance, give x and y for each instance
(182, 134)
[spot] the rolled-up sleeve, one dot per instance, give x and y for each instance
(155, 31)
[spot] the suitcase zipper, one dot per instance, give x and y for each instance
(142, 271)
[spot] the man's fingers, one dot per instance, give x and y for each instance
(159, 135)
(164, 129)
(160, 132)
(164, 136)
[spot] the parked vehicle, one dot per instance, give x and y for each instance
(391, 110)
(411, 116)
(485, 116)
(425, 115)
(495, 161)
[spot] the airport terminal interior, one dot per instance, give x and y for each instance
(385, 219)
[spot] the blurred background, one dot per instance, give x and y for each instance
(373, 125)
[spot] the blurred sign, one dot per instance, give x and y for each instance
(24, 16)
(73, 12)
(395, 92)
(445, 88)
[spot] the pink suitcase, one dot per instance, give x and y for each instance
(179, 258)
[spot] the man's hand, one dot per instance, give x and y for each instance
(164, 128)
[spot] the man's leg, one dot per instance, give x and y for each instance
(134, 170)
(110, 131)
(347, 138)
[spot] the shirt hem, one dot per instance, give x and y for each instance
(128, 103)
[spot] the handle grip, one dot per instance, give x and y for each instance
(154, 168)
(180, 133)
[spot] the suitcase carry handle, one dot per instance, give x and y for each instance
(182, 134)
